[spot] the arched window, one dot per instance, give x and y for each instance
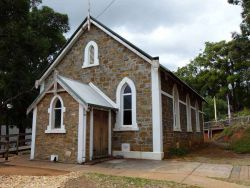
(197, 115)
(188, 109)
(127, 105)
(56, 112)
(91, 55)
(126, 102)
(176, 111)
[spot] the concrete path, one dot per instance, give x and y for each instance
(191, 173)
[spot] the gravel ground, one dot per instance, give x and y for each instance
(14, 181)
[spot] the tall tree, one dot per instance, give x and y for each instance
(245, 24)
(220, 67)
(29, 39)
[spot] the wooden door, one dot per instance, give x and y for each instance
(100, 133)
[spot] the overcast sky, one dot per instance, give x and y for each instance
(174, 30)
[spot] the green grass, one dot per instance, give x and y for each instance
(124, 182)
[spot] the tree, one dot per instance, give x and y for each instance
(29, 39)
(219, 66)
(245, 24)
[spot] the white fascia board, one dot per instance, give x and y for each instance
(85, 105)
(122, 42)
(38, 99)
(63, 53)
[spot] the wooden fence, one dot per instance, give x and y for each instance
(14, 143)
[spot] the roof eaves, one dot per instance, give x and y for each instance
(172, 74)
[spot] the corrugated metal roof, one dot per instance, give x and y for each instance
(85, 92)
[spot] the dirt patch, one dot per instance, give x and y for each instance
(80, 182)
(213, 153)
(29, 171)
(93, 180)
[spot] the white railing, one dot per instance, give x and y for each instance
(226, 122)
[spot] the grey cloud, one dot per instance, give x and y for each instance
(175, 30)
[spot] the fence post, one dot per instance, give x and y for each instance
(17, 144)
(7, 150)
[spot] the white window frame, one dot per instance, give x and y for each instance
(176, 110)
(50, 127)
(189, 114)
(197, 116)
(119, 101)
(86, 62)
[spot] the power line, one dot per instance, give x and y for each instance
(104, 10)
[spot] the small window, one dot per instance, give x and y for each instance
(127, 106)
(176, 111)
(91, 55)
(197, 115)
(188, 109)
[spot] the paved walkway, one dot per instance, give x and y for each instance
(192, 173)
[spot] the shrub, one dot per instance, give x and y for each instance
(178, 151)
(242, 145)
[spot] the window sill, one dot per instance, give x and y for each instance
(126, 129)
(87, 66)
(189, 131)
(55, 131)
(177, 130)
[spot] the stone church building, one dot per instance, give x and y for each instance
(102, 96)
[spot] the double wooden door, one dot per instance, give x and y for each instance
(100, 134)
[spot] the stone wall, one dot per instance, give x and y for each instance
(116, 62)
(175, 139)
(63, 145)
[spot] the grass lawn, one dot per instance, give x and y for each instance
(101, 180)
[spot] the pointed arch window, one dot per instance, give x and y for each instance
(197, 117)
(176, 110)
(56, 113)
(127, 105)
(126, 102)
(91, 55)
(188, 109)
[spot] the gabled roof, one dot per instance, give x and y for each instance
(83, 26)
(78, 32)
(85, 94)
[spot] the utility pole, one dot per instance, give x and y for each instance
(215, 110)
(228, 109)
